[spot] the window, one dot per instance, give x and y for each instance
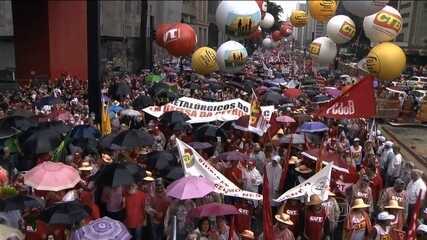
(405, 25)
(405, 15)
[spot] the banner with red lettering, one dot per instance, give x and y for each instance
(201, 111)
(356, 102)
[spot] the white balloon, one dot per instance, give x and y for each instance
(364, 8)
(268, 21)
(267, 42)
(231, 57)
(383, 26)
(323, 50)
(341, 29)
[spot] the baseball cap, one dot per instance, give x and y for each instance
(383, 216)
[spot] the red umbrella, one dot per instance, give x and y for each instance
(261, 90)
(285, 119)
(292, 92)
(213, 210)
(64, 116)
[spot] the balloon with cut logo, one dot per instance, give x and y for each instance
(323, 50)
(383, 26)
(238, 19)
(203, 61)
(262, 6)
(267, 21)
(231, 57)
(161, 29)
(276, 35)
(386, 61)
(267, 43)
(341, 29)
(363, 8)
(299, 18)
(180, 40)
(322, 10)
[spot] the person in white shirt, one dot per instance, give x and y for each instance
(386, 156)
(415, 187)
(274, 172)
(394, 167)
(251, 177)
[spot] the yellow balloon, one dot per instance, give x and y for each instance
(299, 18)
(322, 10)
(386, 61)
(203, 61)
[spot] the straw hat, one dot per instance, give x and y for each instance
(294, 160)
(148, 176)
(106, 158)
(85, 166)
(393, 204)
(359, 203)
(303, 169)
(280, 131)
(247, 234)
(314, 200)
(330, 194)
(284, 218)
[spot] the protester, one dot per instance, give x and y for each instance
(316, 224)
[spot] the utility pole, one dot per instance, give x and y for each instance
(143, 35)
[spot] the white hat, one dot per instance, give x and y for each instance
(378, 132)
(381, 138)
(385, 216)
(389, 144)
(356, 140)
(276, 158)
(422, 228)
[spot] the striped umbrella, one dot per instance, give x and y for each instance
(102, 228)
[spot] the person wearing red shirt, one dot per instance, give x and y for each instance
(135, 211)
(234, 174)
(86, 197)
(316, 224)
(157, 208)
(294, 209)
(243, 221)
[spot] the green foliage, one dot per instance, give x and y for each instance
(8, 191)
(276, 11)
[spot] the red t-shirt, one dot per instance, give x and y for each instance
(314, 224)
(235, 175)
(243, 220)
(295, 213)
(135, 214)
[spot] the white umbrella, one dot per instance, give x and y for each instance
(130, 113)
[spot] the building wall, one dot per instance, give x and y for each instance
(6, 20)
(7, 50)
(195, 13)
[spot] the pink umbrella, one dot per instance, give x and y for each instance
(52, 176)
(190, 187)
(292, 92)
(285, 119)
(333, 92)
(64, 116)
(213, 210)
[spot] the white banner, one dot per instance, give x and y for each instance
(195, 165)
(316, 184)
(201, 111)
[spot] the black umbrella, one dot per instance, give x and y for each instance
(133, 138)
(157, 88)
(200, 145)
(57, 126)
(115, 175)
(142, 102)
(160, 160)
(175, 173)
(273, 98)
(208, 130)
(85, 131)
(169, 118)
(180, 126)
(67, 213)
(17, 122)
(107, 140)
(7, 132)
(119, 90)
(39, 141)
(19, 202)
(21, 113)
(49, 100)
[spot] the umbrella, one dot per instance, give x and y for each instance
(292, 92)
(180, 126)
(160, 160)
(19, 202)
(39, 141)
(285, 119)
(21, 113)
(296, 139)
(114, 109)
(47, 101)
(67, 213)
(52, 176)
(17, 122)
(333, 92)
(115, 175)
(7, 132)
(233, 156)
(142, 102)
(120, 90)
(322, 98)
(56, 126)
(312, 127)
(200, 145)
(8, 233)
(130, 113)
(64, 116)
(261, 90)
(208, 130)
(133, 138)
(190, 187)
(102, 229)
(175, 173)
(153, 78)
(85, 131)
(169, 118)
(213, 210)
(272, 98)
(107, 140)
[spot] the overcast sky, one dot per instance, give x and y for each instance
(287, 6)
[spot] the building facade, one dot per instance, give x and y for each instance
(7, 58)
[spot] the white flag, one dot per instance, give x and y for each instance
(316, 184)
(194, 165)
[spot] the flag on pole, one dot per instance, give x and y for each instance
(320, 157)
(412, 228)
(257, 122)
(105, 121)
(285, 165)
(267, 223)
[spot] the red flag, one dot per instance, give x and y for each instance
(285, 165)
(412, 228)
(356, 102)
(267, 219)
(272, 130)
(231, 231)
(320, 157)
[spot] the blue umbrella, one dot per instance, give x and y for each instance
(312, 127)
(114, 109)
(85, 132)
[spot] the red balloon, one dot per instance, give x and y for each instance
(276, 35)
(262, 7)
(285, 30)
(289, 24)
(161, 29)
(180, 40)
(255, 35)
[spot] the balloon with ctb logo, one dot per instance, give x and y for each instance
(322, 10)
(323, 50)
(341, 29)
(386, 61)
(383, 26)
(231, 57)
(203, 61)
(299, 18)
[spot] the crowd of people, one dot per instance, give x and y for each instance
(375, 199)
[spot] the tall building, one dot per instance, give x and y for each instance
(314, 29)
(195, 13)
(7, 59)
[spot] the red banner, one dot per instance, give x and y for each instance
(356, 102)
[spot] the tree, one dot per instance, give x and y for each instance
(275, 10)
